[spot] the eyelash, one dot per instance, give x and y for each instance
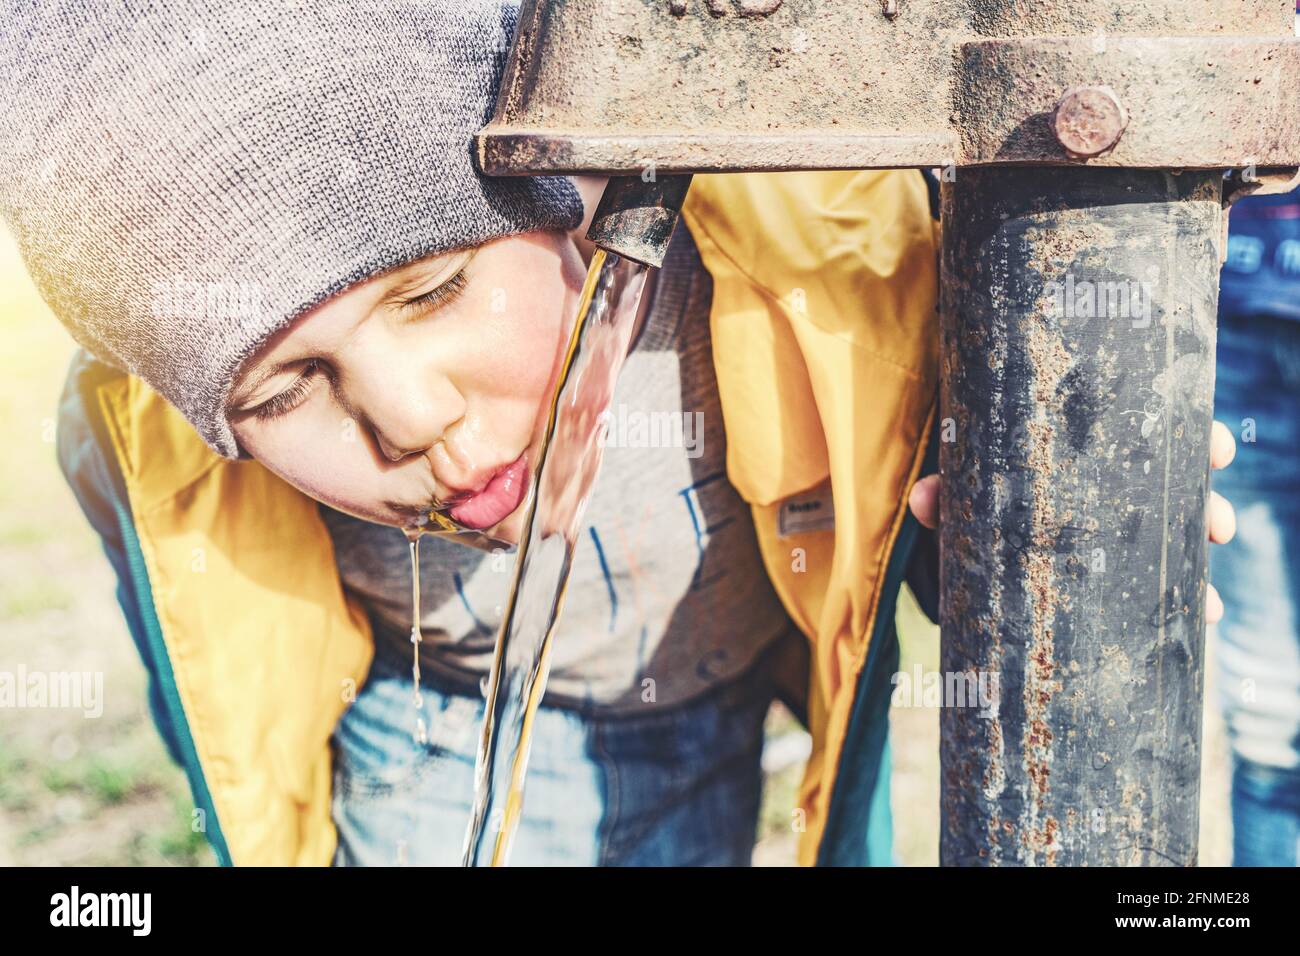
(291, 397)
(439, 295)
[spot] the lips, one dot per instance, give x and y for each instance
(502, 494)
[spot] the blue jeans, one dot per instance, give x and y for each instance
(1258, 574)
(674, 788)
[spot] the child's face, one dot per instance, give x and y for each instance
(421, 387)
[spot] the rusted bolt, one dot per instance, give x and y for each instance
(1089, 120)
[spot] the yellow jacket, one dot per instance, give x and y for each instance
(825, 343)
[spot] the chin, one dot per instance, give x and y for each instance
(388, 520)
(374, 513)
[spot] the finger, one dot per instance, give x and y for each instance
(1223, 447)
(1213, 606)
(1221, 518)
(924, 501)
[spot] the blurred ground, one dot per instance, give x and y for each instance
(73, 790)
(77, 790)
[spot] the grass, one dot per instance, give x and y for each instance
(26, 598)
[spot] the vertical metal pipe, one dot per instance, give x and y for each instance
(1077, 372)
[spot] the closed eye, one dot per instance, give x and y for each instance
(289, 399)
(428, 301)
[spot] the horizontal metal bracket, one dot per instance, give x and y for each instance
(595, 86)
(1192, 102)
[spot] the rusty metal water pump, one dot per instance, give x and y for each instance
(1084, 146)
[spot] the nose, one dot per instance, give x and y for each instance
(407, 405)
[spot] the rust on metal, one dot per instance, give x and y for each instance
(720, 8)
(1089, 120)
(636, 216)
(729, 85)
(1190, 102)
(1077, 358)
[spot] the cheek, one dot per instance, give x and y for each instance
(523, 376)
(532, 342)
(321, 452)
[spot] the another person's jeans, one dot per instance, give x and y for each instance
(678, 787)
(1258, 576)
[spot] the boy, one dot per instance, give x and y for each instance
(269, 216)
(273, 219)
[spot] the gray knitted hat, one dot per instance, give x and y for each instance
(184, 177)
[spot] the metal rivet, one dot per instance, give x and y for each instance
(1089, 120)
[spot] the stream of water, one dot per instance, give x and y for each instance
(564, 476)
(562, 479)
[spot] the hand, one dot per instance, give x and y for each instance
(1221, 519)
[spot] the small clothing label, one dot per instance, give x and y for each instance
(810, 511)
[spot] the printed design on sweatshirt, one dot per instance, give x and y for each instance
(691, 496)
